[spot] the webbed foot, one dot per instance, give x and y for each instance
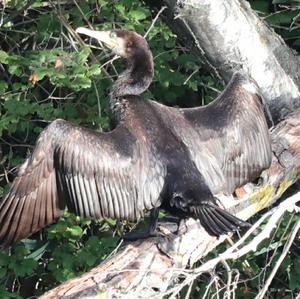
(149, 232)
(141, 234)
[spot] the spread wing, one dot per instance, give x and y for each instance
(234, 136)
(93, 174)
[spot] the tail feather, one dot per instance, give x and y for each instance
(208, 225)
(221, 221)
(212, 224)
(239, 223)
(217, 221)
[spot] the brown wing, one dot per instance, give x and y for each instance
(94, 174)
(32, 201)
(233, 145)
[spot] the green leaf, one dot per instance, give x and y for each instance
(75, 231)
(81, 81)
(4, 259)
(56, 229)
(5, 294)
(37, 254)
(15, 69)
(268, 248)
(294, 281)
(285, 17)
(111, 221)
(137, 15)
(3, 86)
(261, 5)
(297, 265)
(87, 258)
(3, 271)
(81, 56)
(282, 1)
(68, 261)
(3, 57)
(24, 267)
(120, 8)
(94, 70)
(41, 73)
(102, 2)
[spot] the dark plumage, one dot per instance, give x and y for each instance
(157, 156)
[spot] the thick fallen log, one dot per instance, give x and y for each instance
(147, 268)
(232, 37)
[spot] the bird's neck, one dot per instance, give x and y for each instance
(134, 81)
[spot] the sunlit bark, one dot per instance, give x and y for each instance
(232, 37)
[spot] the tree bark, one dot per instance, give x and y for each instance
(232, 38)
(147, 268)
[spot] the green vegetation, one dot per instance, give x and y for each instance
(46, 72)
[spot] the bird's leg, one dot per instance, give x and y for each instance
(147, 233)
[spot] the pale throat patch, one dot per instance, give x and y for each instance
(120, 48)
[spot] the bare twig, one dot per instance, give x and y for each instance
(98, 100)
(276, 215)
(188, 293)
(154, 21)
(2, 12)
(229, 279)
(280, 260)
(83, 14)
(210, 87)
(274, 250)
(208, 287)
(190, 76)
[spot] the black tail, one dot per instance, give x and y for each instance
(217, 221)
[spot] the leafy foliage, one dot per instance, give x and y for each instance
(283, 16)
(46, 73)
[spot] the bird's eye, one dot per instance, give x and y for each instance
(113, 34)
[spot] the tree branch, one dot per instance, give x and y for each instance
(231, 37)
(285, 251)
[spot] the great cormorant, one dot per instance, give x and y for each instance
(156, 156)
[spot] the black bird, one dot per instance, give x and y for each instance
(155, 157)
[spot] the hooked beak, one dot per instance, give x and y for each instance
(102, 36)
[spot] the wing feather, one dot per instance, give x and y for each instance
(118, 192)
(95, 196)
(41, 196)
(93, 174)
(235, 142)
(109, 178)
(23, 219)
(36, 214)
(14, 224)
(78, 196)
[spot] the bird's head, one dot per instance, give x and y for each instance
(127, 44)
(134, 48)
